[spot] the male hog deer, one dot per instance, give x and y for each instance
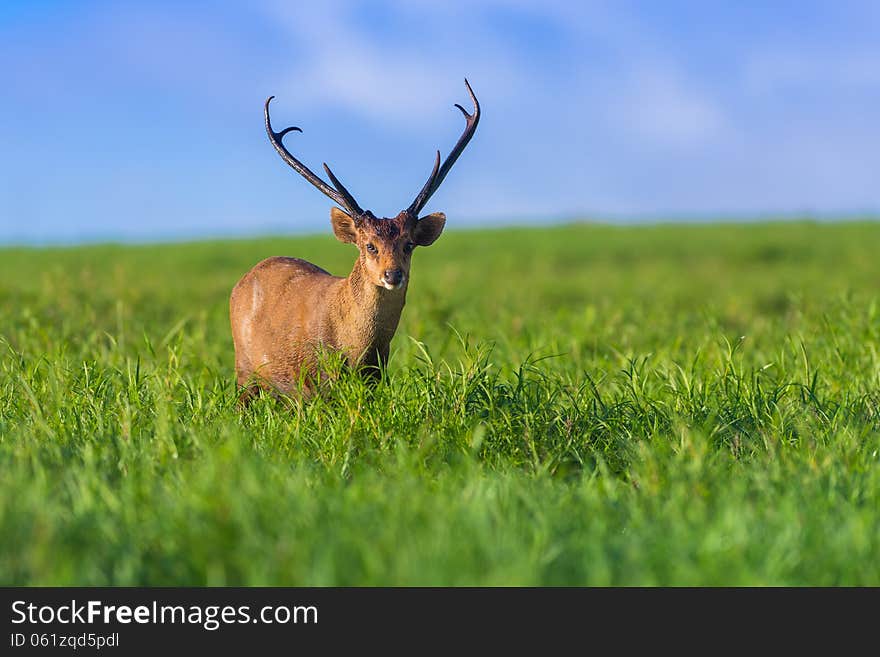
(286, 311)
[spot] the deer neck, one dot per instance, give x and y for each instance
(371, 312)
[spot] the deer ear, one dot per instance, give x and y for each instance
(428, 229)
(343, 226)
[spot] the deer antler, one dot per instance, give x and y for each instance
(340, 195)
(439, 173)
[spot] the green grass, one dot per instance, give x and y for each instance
(582, 405)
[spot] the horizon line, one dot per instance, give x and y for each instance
(609, 220)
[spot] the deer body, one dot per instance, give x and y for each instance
(285, 311)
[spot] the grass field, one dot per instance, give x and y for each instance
(581, 405)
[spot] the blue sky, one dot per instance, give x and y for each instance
(124, 120)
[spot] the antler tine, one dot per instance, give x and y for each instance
(349, 199)
(439, 173)
(341, 197)
(426, 190)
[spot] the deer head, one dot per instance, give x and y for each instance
(385, 244)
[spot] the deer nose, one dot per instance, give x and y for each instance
(394, 276)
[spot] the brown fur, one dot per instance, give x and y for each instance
(285, 311)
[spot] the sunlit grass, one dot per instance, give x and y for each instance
(674, 405)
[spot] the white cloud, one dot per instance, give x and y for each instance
(404, 80)
(663, 108)
(778, 67)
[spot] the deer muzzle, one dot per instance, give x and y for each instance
(393, 278)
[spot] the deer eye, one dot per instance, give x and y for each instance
(372, 248)
(408, 247)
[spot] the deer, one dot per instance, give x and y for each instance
(287, 313)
